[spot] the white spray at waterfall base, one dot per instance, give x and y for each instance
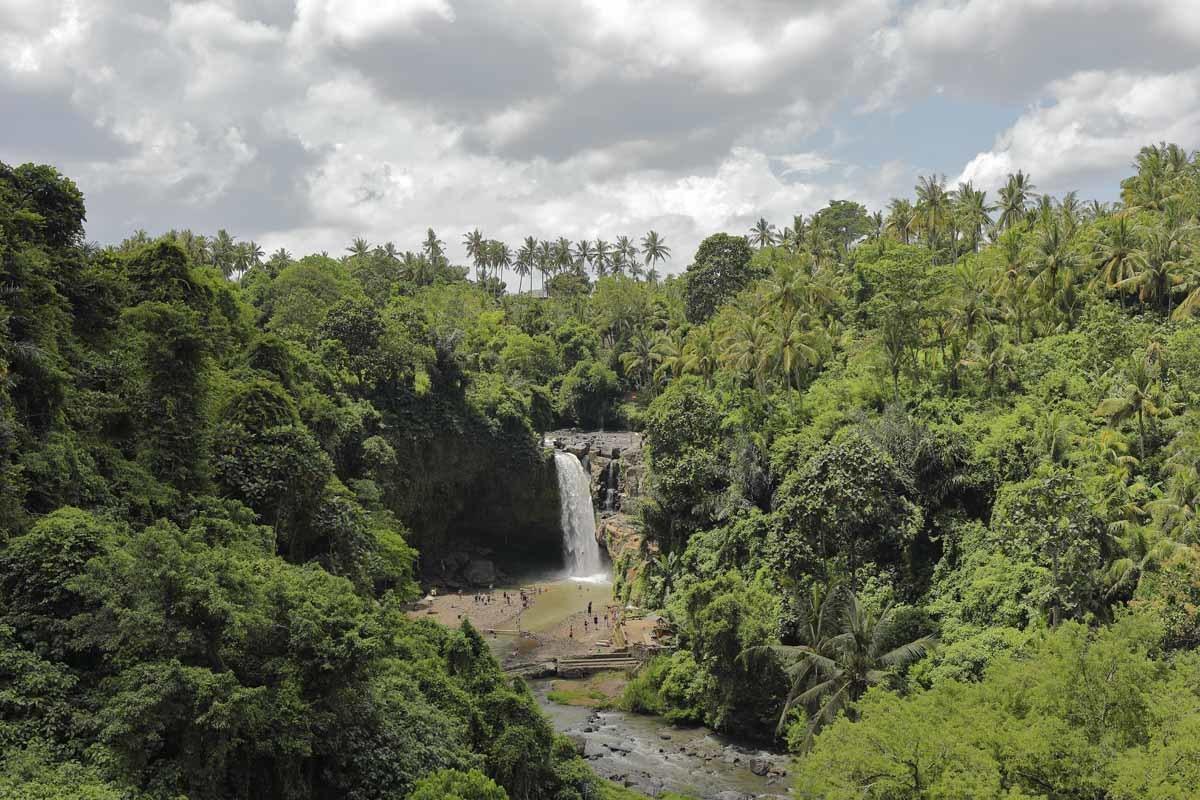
(581, 551)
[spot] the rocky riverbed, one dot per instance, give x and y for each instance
(652, 756)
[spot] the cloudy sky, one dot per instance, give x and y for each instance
(307, 122)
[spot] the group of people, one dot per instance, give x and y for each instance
(525, 595)
(609, 617)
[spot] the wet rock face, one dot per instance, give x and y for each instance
(480, 572)
(620, 534)
(490, 501)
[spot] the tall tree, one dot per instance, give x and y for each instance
(933, 210)
(527, 259)
(602, 255)
(850, 648)
(1139, 397)
(476, 247)
(901, 219)
(654, 250)
(762, 234)
(583, 255)
(972, 213)
(1115, 253)
(1015, 197)
(359, 248)
(1159, 265)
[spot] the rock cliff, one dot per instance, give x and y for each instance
(614, 460)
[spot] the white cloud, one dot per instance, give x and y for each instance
(308, 123)
(805, 163)
(1094, 123)
(355, 22)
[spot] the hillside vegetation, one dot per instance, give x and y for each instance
(920, 499)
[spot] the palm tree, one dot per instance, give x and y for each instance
(1044, 210)
(793, 348)
(933, 208)
(546, 256)
(671, 359)
(762, 234)
(255, 253)
(895, 353)
(476, 247)
(526, 259)
(223, 252)
(1176, 510)
(971, 210)
(640, 360)
(1054, 263)
(433, 248)
(793, 238)
(359, 248)
(842, 654)
(1096, 210)
(1056, 431)
(1142, 550)
(1189, 287)
(700, 354)
(1070, 211)
(996, 359)
(243, 258)
(664, 567)
(500, 258)
(787, 288)
(1158, 181)
(876, 232)
(654, 250)
(1014, 200)
(627, 254)
(901, 219)
(1114, 252)
(970, 313)
(1159, 265)
(1139, 397)
(748, 348)
(583, 255)
(602, 255)
(818, 244)
(1011, 285)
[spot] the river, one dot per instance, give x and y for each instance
(644, 752)
(652, 756)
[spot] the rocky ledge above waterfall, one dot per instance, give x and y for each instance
(614, 461)
(582, 442)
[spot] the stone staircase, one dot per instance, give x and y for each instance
(578, 666)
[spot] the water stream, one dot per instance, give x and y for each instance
(581, 551)
(654, 756)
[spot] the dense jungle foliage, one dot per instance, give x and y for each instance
(920, 503)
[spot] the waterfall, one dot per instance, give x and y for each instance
(581, 551)
(612, 478)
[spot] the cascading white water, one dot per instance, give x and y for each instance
(581, 551)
